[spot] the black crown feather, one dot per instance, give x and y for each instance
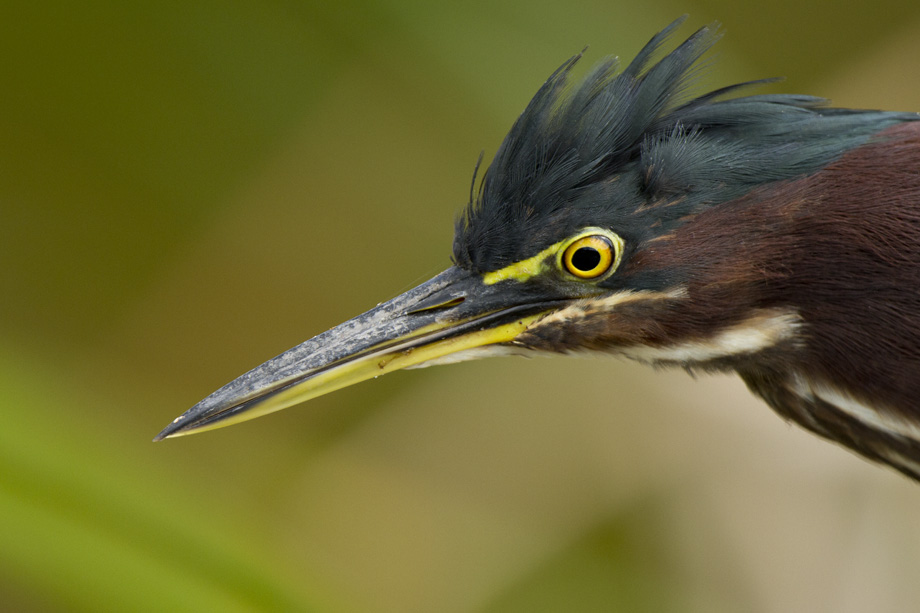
(600, 152)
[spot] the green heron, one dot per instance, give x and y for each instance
(767, 235)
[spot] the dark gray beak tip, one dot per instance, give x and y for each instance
(167, 431)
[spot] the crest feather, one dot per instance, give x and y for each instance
(598, 152)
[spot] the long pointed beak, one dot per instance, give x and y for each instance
(452, 314)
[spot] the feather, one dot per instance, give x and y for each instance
(617, 143)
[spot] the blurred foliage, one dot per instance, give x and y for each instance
(615, 566)
(186, 189)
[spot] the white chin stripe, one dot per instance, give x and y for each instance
(875, 418)
(766, 329)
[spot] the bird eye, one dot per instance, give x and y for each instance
(590, 256)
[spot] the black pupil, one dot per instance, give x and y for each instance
(586, 258)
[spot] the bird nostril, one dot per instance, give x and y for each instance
(436, 307)
(450, 303)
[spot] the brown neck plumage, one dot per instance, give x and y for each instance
(810, 289)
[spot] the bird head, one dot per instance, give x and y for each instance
(619, 215)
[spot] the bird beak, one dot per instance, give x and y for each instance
(452, 317)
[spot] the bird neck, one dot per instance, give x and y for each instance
(835, 257)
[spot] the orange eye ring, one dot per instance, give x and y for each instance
(589, 257)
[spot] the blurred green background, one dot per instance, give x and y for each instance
(189, 188)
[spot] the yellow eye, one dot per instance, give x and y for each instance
(590, 256)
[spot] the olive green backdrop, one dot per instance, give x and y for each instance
(189, 188)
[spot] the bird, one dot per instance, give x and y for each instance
(768, 235)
